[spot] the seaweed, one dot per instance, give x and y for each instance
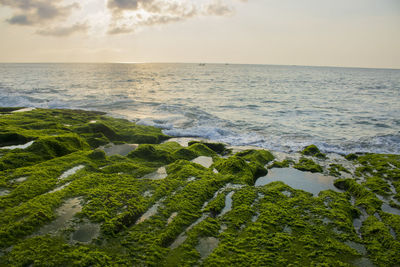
(306, 164)
(166, 222)
(312, 150)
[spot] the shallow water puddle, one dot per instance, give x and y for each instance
(387, 208)
(206, 246)
(4, 192)
(357, 246)
(178, 241)
(86, 232)
(357, 222)
(64, 214)
(159, 174)
(255, 217)
(223, 228)
(287, 229)
(227, 186)
(18, 146)
(150, 212)
(71, 171)
(148, 193)
(363, 262)
(23, 110)
(228, 203)
(20, 180)
(392, 232)
(60, 187)
(182, 237)
(204, 161)
(122, 149)
(191, 179)
(307, 181)
(171, 218)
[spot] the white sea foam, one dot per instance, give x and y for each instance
(24, 146)
(274, 107)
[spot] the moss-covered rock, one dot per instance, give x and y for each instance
(351, 156)
(313, 150)
(261, 157)
(364, 197)
(306, 164)
(238, 167)
(12, 138)
(42, 149)
(281, 164)
(216, 147)
(336, 169)
(167, 222)
(148, 152)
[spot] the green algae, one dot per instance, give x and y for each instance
(364, 197)
(306, 164)
(313, 150)
(351, 156)
(281, 164)
(218, 148)
(261, 157)
(268, 225)
(240, 169)
(336, 169)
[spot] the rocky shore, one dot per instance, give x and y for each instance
(78, 188)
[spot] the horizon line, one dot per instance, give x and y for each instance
(201, 63)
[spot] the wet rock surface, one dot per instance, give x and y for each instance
(186, 202)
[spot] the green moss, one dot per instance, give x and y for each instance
(193, 151)
(8, 109)
(238, 167)
(216, 205)
(202, 150)
(380, 244)
(148, 152)
(184, 153)
(42, 149)
(281, 164)
(378, 185)
(216, 147)
(97, 155)
(305, 164)
(351, 156)
(10, 138)
(335, 169)
(312, 150)
(261, 157)
(133, 169)
(364, 197)
(51, 251)
(268, 225)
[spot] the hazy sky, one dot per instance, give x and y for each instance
(363, 33)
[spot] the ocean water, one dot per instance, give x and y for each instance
(282, 108)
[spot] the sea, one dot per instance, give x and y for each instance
(281, 108)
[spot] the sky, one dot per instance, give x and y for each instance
(355, 33)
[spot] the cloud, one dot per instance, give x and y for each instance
(121, 5)
(64, 17)
(218, 8)
(64, 31)
(128, 15)
(38, 12)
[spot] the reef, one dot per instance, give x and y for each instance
(79, 188)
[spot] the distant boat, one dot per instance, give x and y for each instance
(202, 64)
